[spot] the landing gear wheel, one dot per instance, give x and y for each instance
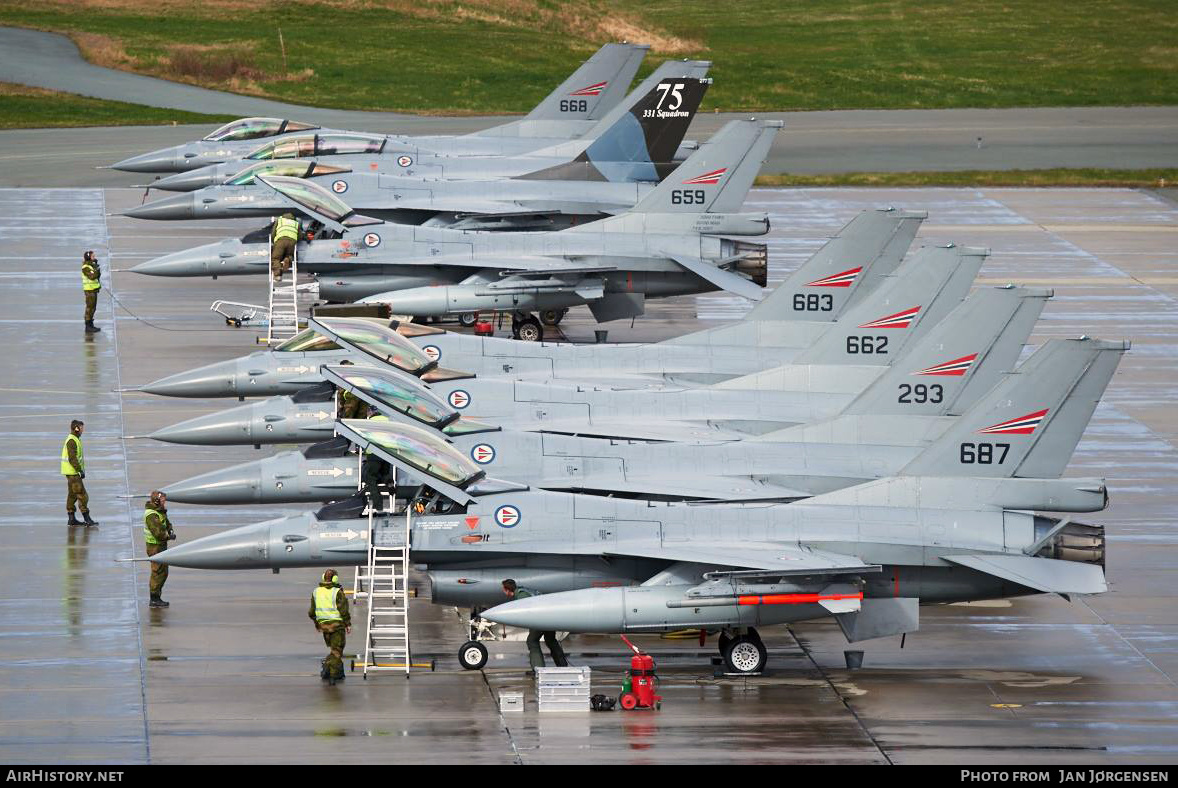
(529, 330)
(237, 322)
(628, 701)
(468, 319)
(472, 655)
(755, 635)
(552, 317)
(745, 655)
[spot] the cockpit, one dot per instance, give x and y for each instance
(294, 169)
(379, 341)
(419, 449)
(256, 128)
(315, 199)
(306, 341)
(306, 145)
(392, 391)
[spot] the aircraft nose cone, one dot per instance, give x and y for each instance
(239, 548)
(211, 380)
(180, 206)
(588, 610)
(199, 261)
(236, 485)
(186, 181)
(225, 428)
(156, 161)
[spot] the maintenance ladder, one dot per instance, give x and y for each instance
(284, 303)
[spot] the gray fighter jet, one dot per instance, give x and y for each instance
(669, 244)
(671, 94)
(955, 526)
(876, 436)
(607, 177)
(817, 291)
(926, 288)
(568, 112)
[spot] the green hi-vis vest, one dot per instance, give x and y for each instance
(147, 534)
(87, 282)
(377, 417)
(286, 228)
(66, 468)
(325, 609)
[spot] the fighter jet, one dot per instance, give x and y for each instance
(670, 96)
(817, 291)
(568, 112)
(926, 288)
(955, 525)
(874, 437)
(607, 177)
(669, 244)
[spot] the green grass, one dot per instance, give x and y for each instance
(1091, 177)
(32, 108)
(481, 56)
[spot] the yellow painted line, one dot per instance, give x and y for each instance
(1006, 705)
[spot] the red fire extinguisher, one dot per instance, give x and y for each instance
(638, 688)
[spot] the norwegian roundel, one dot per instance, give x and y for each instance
(458, 399)
(483, 453)
(507, 516)
(371, 240)
(432, 352)
(404, 161)
(339, 187)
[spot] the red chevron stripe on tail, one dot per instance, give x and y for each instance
(842, 279)
(898, 320)
(955, 368)
(1024, 425)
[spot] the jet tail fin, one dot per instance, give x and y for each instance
(910, 301)
(596, 87)
(959, 360)
(851, 264)
(1029, 424)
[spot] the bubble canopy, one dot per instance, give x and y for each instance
(393, 391)
(256, 128)
(419, 449)
(378, 341)
(296, 169)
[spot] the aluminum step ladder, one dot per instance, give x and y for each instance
(284, 303)
(386, 584)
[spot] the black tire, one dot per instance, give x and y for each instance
(530, 331)
(552, 317)
(468, 319)
(722, 642)
(755, 635)
(745, 655)
(472, 655)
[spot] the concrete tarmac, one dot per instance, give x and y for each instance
(812, 142)
(228, 673)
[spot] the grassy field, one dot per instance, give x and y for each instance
(481, 56)
(32, 108)
(1055, 178)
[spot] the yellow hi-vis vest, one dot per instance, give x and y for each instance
(286, 228)
(66, 468)
(147, 534)
(325, 609)
(87, 282)
(377, 417)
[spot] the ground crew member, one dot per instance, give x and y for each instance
(157, 532)
(91, 275)
(375, 470)
(329, 611)
(350, 406)
(535, 655)
(73, 468)
(283, 237)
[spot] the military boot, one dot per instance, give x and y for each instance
(91, 328)
(157, 602)
(86, 519)
(74, 520)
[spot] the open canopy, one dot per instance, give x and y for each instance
(256, 128)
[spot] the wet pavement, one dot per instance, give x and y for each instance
(228, 673)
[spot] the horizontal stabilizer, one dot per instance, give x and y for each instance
(1048, 575)
(877, 618)
(721, 278)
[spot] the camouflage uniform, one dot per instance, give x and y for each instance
(535, 655)
(157, 527)
(90, 288)
(76, 495)
(334, 632)
(282, 249)
(351, 406)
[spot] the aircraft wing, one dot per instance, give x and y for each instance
(790, 559)
(633, 430)
(1049, 575)
(709, 489)
(720, 277)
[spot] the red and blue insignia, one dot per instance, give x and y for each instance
(898, 320)
(955, 368)
(1024, 425)
(707, 177)
(592, 90)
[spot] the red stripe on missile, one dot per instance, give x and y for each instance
(793, 599)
